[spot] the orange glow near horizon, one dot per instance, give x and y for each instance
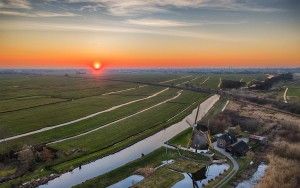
(31, 48)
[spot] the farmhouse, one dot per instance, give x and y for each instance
(258, 139)
(226, 140)
(238, 149)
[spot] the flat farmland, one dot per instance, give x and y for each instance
(293, 94)
(149, 110)
(86, 118)
(16, 104)
(22, 121)
(110, 105)
(132, 126)
(91, 123)
(56, 86)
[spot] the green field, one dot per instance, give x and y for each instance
(293, 94)
(182, 139)
(89, 124)
(22, 121)
(10, 105)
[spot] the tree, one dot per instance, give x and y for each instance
(26, 157)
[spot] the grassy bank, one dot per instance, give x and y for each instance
(182, 139)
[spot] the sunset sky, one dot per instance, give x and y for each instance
(149, 33)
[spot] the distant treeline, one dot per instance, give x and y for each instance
(268, 83)
(232, 84)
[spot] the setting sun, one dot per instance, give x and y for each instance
(97, 65)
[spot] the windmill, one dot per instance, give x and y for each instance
(200, 139)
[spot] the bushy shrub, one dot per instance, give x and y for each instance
(281, 173)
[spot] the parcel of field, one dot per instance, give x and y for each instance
(22, 121)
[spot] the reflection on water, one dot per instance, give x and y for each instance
(212, 172)
(128, 182)
(255, 177)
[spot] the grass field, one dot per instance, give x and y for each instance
(293, 94)
(158, 179)
(88, 124)
(39, 91)
(182, 139)
(10, 105)
(22, 121)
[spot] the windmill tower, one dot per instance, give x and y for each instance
(200, 139)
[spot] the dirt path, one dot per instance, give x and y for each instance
(225, 106)
(205, 81)
(187, 81)
(284, 95)
(220, 82)
(175, 79)
(120, 91)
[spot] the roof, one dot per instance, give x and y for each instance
(240, 147)
(229, 138)
(255, 137)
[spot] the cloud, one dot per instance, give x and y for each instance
(135, 7)
(157, 22)
(91, 8)
(142, 7)
(12, 13)
(38, 26)
(15, 4)
(154, 22)
(54, 14)
(36, 14)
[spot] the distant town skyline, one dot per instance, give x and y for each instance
(157, 33)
